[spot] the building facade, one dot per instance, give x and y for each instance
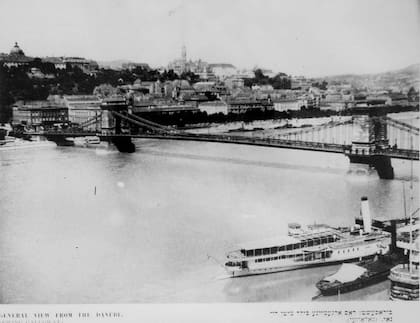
(39, 114)
(223, 70)
(57, 61)
(83, 109)
(242, 105)
(286, 104)
(87, 66)
(213, 107)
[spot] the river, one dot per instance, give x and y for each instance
(86, 225)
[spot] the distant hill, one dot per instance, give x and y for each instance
(401, 79)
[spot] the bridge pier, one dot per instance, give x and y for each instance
(369, 137)
(124, 144)
(383, 166)
(381, 163)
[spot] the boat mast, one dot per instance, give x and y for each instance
(405, 203)
(410, 206)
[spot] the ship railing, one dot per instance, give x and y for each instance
(235, 255)
(402, 274)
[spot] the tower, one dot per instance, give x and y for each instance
(369, 139)
(184, 54)
(183, 64)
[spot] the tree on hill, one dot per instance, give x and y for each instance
(168, 75)
(190, 77)
(146, 74)
(105, 90)
(260, 78)
(323, 85)
(280, 81)
(15, 84)
(412, 94)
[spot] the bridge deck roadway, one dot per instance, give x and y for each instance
(265, 142)
(302, 145)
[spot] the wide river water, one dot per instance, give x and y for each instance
(86, 225)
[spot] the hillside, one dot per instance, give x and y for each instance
(401, 79)
(115, 65)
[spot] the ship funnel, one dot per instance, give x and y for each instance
(365, 213)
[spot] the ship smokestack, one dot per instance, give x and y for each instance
(365, 212)
(393, 235)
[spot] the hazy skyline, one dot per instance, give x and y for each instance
(300, 37)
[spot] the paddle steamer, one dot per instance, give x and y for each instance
(314, 245)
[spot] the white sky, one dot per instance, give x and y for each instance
(301, 37)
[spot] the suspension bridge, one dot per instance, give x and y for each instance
(369, 136)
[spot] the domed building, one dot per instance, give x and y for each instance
(15, 58)
(16, 50)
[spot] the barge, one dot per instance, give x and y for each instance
(351, 277)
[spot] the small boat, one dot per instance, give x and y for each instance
(85, 141)
(356, 276)
(92, 140)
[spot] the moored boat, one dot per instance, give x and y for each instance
(92, 140)
(404, 283)
(315, 245)
(351, 277)
(405, 277)
(88, 141)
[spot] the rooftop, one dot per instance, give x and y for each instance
(40, 105)
(81, 98)
(54, 60)
(16, 59)
(222, 65)
(280, 100)
(248, 101)
(398, 96)
(163, 108)
(213, 103)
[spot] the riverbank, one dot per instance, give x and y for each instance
(260, 125)
(278, 125)
(188, 120)
(11, 143)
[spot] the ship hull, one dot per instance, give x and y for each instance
(354, 285)
(261, 271)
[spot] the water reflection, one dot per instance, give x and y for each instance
(297, 285)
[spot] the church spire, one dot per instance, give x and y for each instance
(184, 53)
